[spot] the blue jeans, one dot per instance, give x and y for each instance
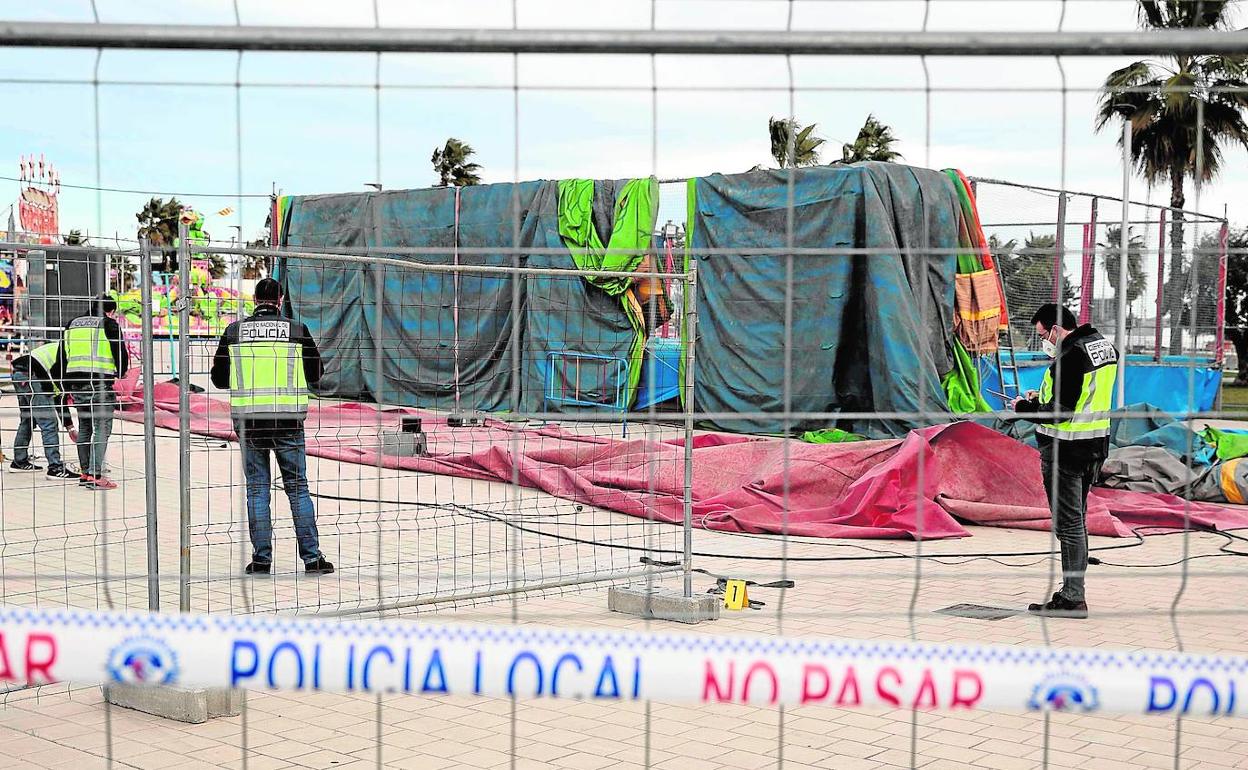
(288, 447)
(95, 402)
(35, 406)
(1068, 502)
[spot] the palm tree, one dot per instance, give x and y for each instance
(791, 145)
(1176, 106)
(1028, 273)
(1111, 250)
(1236, 292)
(1111, 257)
(158, 223)
(875, 142)
(74, 238)
(451, 164)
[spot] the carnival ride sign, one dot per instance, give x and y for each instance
(37, 204)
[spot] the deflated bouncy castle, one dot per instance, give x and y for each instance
(876, 251)
(449, 339)
(876, 276)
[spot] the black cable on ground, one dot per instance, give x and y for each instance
(479, 514)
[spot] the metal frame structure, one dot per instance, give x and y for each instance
(653, 42)
(573, 41)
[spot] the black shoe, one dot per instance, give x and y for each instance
(259, 568)
(23, 465)
(61, 472)
(1060, 607)
(318, 567)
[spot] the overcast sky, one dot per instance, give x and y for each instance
(311, 128)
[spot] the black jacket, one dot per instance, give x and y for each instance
(27, 363)
(112, 331)
(312, 367)
(1068, 369)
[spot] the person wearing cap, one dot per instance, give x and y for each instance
(36, 380)
(91, 357)
(267, 361)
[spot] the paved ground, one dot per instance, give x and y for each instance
(58, 539)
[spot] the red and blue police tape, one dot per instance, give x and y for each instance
(40, 646)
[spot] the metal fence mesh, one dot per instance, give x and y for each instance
(1029, 226)
(497, 547)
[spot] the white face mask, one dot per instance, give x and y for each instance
(1049, 348)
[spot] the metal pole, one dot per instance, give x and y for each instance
(691, 337)
(1059, 254)
(149, 429)
(455, 306)
(1219, 329)
(1122, 261)
(618, 41)
(379, 388)
(184, 420)
(239, 260)
(1161, 286)
(1087, 285)
(364, 257)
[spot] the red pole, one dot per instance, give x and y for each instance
(1220, 318)
(274, 226)
(1089, 268)
(1059, 251)
(1161, 283)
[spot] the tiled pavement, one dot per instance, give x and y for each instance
(55, 539)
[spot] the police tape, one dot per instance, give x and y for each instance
(274, 653)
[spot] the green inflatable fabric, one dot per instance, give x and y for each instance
(830, 436)
(962, 384)
(630, 234)
(1230, 444)
(636, 206)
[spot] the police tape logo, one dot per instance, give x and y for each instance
(1063, 692)
(143, 660)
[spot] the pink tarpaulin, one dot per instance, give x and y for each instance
(918, 487)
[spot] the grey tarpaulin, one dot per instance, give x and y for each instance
(870, 332)
(1156, 469)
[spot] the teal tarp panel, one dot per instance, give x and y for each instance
(1179, 385)
(330, 299)
(871, 332)
(339, 302)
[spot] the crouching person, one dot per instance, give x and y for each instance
(36, 378)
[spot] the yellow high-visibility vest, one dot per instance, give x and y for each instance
(266, 371)
(1096, 399)
(45, 354)
(87, 350)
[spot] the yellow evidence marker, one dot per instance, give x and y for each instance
(735, 597)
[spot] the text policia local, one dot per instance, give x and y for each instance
(591, 674)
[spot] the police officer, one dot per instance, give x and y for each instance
(267, 361)
(92, 357)
(1073, 437)
(36, 380)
